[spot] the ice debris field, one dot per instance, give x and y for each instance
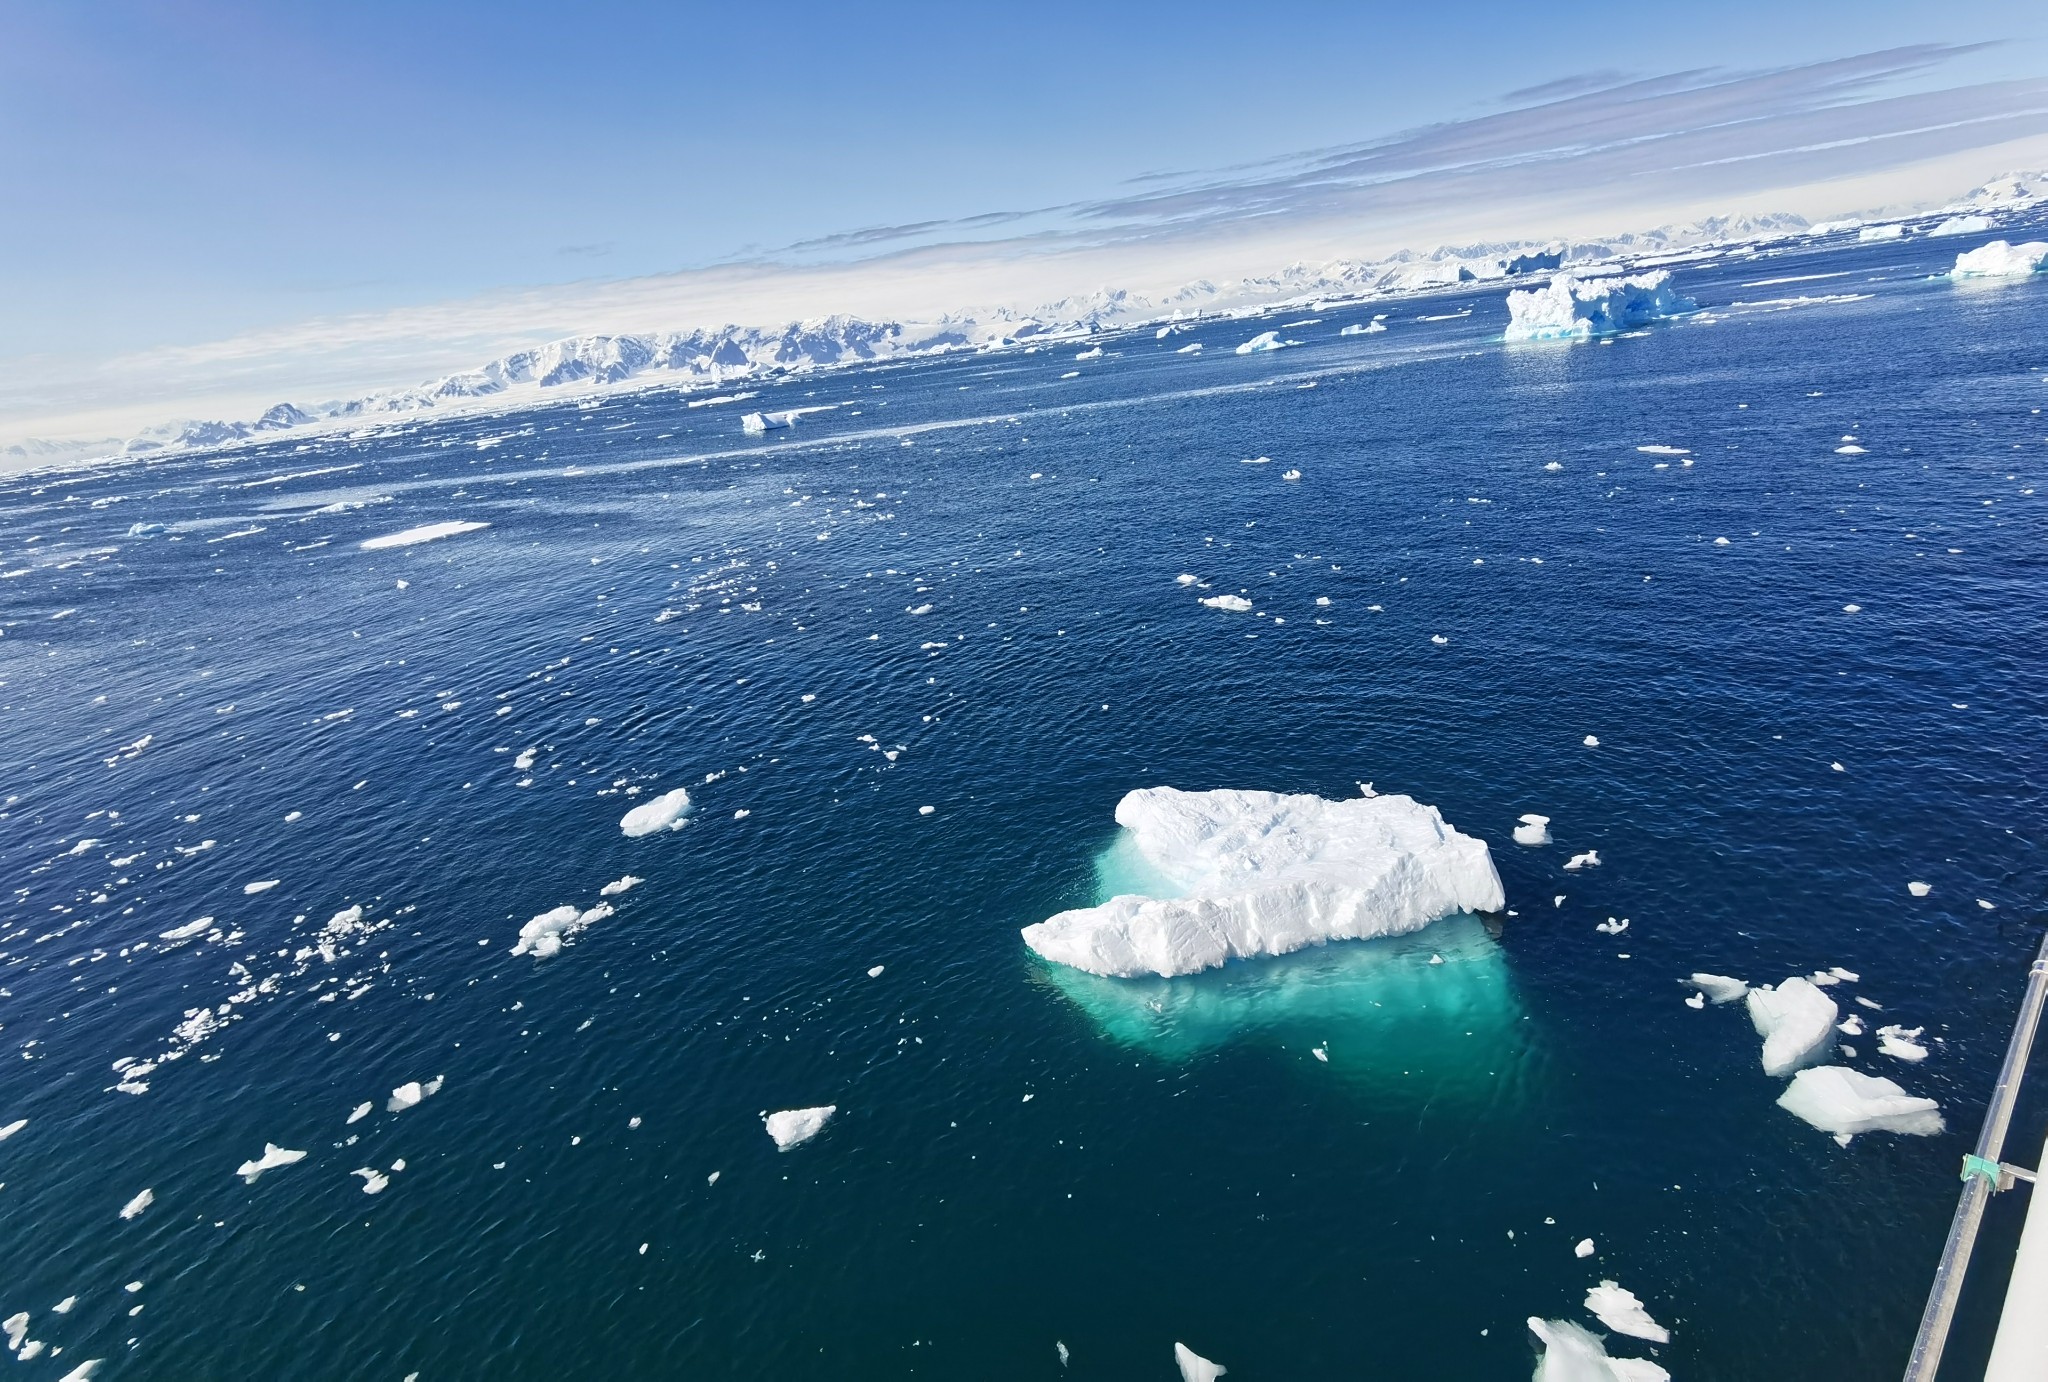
(706, 859)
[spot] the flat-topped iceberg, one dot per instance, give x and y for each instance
(2002, 259)
(1574, 309)
(1846, 1102)
(1267, 873)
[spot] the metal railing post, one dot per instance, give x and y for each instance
(1977, 1185)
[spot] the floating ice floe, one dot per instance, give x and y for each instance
(2002, 259)
(1194, 1367)
(426, 532)
(1093, 353)
(1364, 328)
(793, 1127)
(260, 886)
(374, 1180)
(412, 1092)
(1236, 603)
(1901, 1043)
(1534, 830)
(1290, 475)
(1583, 1248)
(1718, 988)
(1796, 1021)
(273, 1157)
(664, 812)
(360, 1112)
(1574, 309)
(1265, 340)
(1267, 873)
(1618, 1309)
(547, 933)
(1919, 889)
(1612, 927)
(1573, 1353)
(1847, 1102)
(620, 885)
(875, 971)
(133, 1209)
(1591, 741)
(1589, 860)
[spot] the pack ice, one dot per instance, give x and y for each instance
(1846, 1102)
(1266, 873)
(2002, 259)
(1571, 309)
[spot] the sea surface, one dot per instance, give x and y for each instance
(207, 682)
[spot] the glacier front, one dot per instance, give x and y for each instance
(1575, 309)
(1267, 873)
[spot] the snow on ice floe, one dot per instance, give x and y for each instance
(412, 1093)
(1718, 988)
(427, 532)
(1574, 309)
(793, 1127)
(1194, 1367)
(1236, 603)
(664, 812)
(547, 933)
(1796, 1021)
(1618, 1309)
(273, 1157)
(2002, 259)
(1847, 1102)
(1267, 873)
(1573, 1353)
(1534, 830)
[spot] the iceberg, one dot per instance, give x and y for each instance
(2002, 259)
(1571, 309)
(273, 1157)
(1846, 1102)
(1885, 232)
(1962, 225)
(1618, 1309)
(1572, 1353)
(1268, 873)
(547, 933)
(1194, 1367)
(664, 812)
(1265, 340)
(1796, 1021)
(426, 532)
(793, 1127)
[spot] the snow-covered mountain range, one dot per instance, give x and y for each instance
(719, 356)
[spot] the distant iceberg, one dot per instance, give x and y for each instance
(1267, 873)
(1962, 225)
(426, 532)
(1884, 232)
(1265, 340)
(1574, 309)
(2002, 259)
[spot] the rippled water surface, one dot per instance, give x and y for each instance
(1025, 1156)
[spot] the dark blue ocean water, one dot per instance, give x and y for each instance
(1025, 1156)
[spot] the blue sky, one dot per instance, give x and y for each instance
(180, 173)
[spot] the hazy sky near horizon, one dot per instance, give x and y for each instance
(183, 172)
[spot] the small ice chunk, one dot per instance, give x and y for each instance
(273, 1157)
(1796, 1021)
(664, 812)
(1265, 340)
(525, 759)
(793, 1127)
(412, 1092)
(1584, 1248)
(1847, 1102)
(1553, 466)
(875, 973)
(1534, 830)
(1438, 639)
(1612, 927)
(12, 1128)
(1236, 603)
(1919, 889)
(1989, 907)
(374, 1180)
(1617, 1308)
(1717, 987)
(63, 1307)
(1589, 860)
(1697, 1000)
(1062, 1350)
(1592, 741)
(16, 1328)
(427, 532)
(547, 933)
(1185, 579)
(264, 886)
(1852, 1025)
(1319, 1053)
(1900, 1043)
(1847, 976)
(620, 885)
(83, 1372)
(1573, 1353)
(360, 1112)
(134, 1207)
(926, 810)
(1193, 1366)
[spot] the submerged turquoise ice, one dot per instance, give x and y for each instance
(957, 590)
